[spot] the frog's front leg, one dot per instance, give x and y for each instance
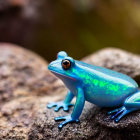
(62, 104)
(74, 117)
(132, 103)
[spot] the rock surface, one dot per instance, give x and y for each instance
(25, 81)
(26, 86)
(44, 126)
(94, 124)
(22, 72)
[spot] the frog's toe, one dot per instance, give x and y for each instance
(64, 123)
(60, 118)
(117, 113)
(124, 112)
(57, 108)
(116, 110)
(66, 107)
(68, 119)
(120, 113)
(60, 126)
(114, 116)
(120, 116)
(50, 105)
(113, 111)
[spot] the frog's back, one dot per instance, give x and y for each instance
(108, 72)
(105, 87)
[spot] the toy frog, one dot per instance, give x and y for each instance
(97, 85)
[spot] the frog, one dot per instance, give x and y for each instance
(98, 85)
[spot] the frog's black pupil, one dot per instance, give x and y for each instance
(66, 64)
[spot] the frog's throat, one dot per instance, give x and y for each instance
(63, 75)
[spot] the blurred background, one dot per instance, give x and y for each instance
(79, 27)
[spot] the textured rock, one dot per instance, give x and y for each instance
(27, 86)
(23, 72)
(44, 126)
(24, 82)
(16, 116)
(95, 123)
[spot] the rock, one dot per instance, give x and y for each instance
(24, 83)
(44, 126)
(27, 86)
(23, 72)
(95, 123)
(16, 116)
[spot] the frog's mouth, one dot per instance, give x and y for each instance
(56, 73)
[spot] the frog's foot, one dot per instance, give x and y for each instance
(59, 105)
(119, 113)
(68, 119)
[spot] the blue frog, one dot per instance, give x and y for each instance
(98, 85)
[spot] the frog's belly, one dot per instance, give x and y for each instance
(107, 98)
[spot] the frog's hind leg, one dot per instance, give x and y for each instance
(117, 114)
(132, 103)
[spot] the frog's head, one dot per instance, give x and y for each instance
(63, 67)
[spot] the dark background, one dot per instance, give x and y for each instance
(79, 27)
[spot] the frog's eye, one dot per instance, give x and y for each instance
(66, 64)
